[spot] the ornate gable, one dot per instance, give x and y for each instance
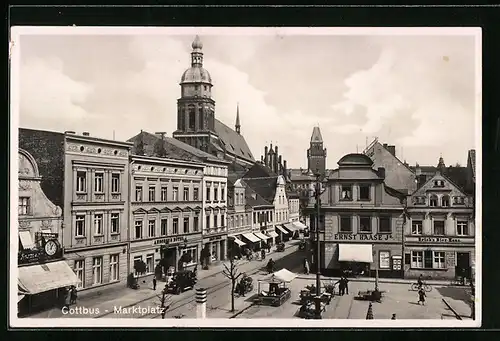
(439, 191)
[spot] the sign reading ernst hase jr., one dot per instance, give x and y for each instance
(351, 236)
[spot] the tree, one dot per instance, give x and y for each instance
(139, 145)
(140, 266)
(231, 272)
(165, 301)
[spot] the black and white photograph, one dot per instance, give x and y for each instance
(235, 176)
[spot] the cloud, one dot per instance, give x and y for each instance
(423, 78)
(47, 93)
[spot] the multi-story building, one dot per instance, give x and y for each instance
(43, 275)
(212, 190)
(215, 210)
(88, 178)
(96, 208)
(439, 230)
(239, 217)
(361, 221)
(166, 213)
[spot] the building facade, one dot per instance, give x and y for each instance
(165, 214)
(43, 275)
(96, 209)
(439, 230)
(361, 221)
(215, 211)
(239, 217)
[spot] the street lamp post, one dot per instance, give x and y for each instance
(317, 196)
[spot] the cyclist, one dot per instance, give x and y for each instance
(420, 282)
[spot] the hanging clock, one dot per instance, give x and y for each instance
(51, 248)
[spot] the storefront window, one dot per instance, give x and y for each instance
(384, 260)
(193, 252)
(150, 261)
(417, 259)
(137, 259)
(80, 272)
(97, 270)
(439, 260)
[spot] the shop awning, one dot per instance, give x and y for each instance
(299, 225)
(280, 276)
(279, 227)
(26, 240)
(273, 234)
(251, 237)
(44, 277)
(239, 242)
(261, 236)
(361, 253)
(19, 297)
(290, 227)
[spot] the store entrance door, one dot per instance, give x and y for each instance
(170, 258)
(463, 264)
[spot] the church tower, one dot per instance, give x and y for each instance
(316, 154)
(195, 107)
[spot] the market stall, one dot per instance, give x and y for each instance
(278, 292)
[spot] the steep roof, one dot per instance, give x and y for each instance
(457, 175)
(235, 171)
(265, 187)
(232, 142)
(316, 135)
(173, 148)
(259, 170)
(253, 198)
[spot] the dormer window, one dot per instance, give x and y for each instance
(445, 201)
(433, 202)
(346, 193)
(458, 200)
(438, 183)
(419, 201)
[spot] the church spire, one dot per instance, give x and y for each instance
(316, 135)
(237, 126)
(441, 164)
(197, 54)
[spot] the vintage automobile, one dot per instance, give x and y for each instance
(181, 281)
(247, 283)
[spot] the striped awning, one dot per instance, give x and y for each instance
(279, 227)
(290, 227)
(239, 242)
(40, 278)
(261, 236)
(251, 237)
(273, 234)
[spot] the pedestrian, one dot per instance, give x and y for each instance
(263, 254)
(421, 296)
(340, 282)
(268, 247)
(346, 285)
(393, 317)
(154, 283)
(73, 294)
(67, 298)
(306, 266)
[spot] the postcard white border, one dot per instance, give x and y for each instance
(18, 31)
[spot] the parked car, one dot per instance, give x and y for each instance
(181, 281)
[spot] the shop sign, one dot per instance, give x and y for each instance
(36, 256)
(372, 237)
(171, 240)
(439, 240)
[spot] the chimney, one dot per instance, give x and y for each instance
(392, 150)
(421, 179)
(69, 132)
(280, 164)
(266, 157)
(385, 145)
(418, 170)
(285, 170)
(381, 172)
(85, 133)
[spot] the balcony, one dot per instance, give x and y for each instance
(213, 230)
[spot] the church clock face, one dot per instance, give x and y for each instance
(51, 248)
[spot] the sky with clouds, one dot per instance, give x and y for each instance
(416, 92)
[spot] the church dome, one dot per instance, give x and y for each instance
(360, 160)
(196, 74)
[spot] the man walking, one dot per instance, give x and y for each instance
(346, 285)
(154, 283)
(306, 266)
(421, 296)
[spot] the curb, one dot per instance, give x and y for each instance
(384, 280)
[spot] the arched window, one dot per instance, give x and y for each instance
(433, 202)
(445, 201)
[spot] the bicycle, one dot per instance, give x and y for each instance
(416, 287)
